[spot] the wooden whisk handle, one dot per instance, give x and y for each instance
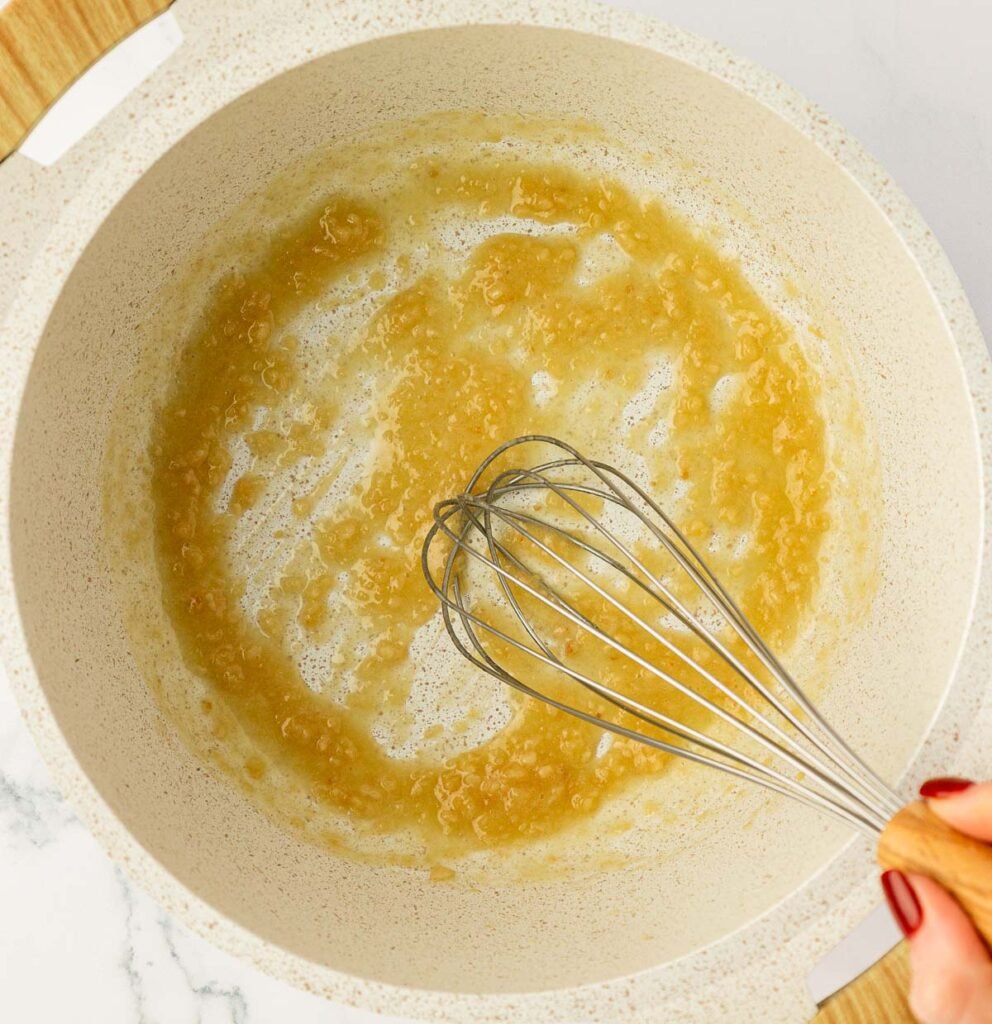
(917, 840)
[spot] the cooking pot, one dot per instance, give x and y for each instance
(727, 927)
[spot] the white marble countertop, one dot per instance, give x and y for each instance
(78, 942)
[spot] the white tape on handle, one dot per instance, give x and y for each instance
(101, 88)
(853, 955)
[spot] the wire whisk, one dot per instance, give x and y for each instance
(533, 528)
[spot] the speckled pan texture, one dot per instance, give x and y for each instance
(728, 929)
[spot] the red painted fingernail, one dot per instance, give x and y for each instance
(936, 788)
(902, 901)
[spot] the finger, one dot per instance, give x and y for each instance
(952, 970)
(964, 805)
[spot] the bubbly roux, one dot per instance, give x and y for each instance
(582, 311)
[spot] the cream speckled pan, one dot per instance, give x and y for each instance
(745, 912)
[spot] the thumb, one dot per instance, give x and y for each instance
(964, 805)
(952, 970)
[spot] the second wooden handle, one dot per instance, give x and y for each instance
(917, 840)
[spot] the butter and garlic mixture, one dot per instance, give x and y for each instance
(355, 368)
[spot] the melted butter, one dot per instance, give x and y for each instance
(602, 319)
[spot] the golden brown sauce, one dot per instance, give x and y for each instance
(530, 330)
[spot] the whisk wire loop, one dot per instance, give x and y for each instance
(808, 760)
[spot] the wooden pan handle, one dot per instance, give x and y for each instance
(45, 45)
(917, 840)
(880, 994)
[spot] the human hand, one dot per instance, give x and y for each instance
(951, 966)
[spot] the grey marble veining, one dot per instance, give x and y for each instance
(80, 942)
